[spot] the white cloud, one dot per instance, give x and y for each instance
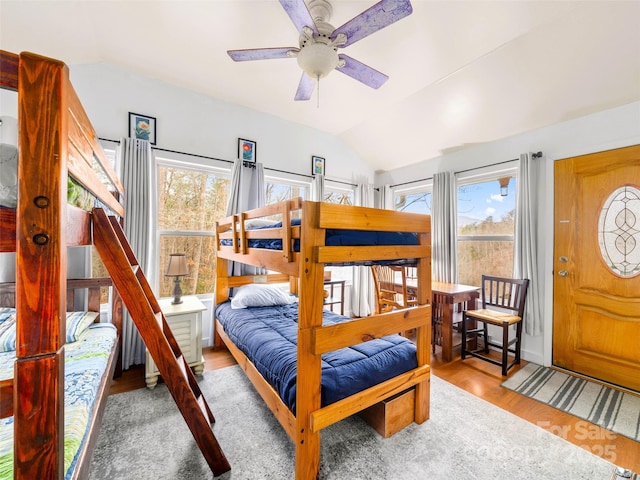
(489, 211)
(497, 197)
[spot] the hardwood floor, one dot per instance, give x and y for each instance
(483, 380)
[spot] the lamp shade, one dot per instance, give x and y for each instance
(177, 265)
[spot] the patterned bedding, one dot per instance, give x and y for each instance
(268, 337)
(85, 363)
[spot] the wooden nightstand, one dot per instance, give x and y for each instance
(185, 320)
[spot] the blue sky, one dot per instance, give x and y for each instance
(475, 202)
(482, 200)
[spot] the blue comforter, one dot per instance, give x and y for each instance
(336, 237)
(268, 337)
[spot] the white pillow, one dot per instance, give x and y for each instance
(258, 295)
(258, 223)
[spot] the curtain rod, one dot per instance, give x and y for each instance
(230, 161)
(534, 155)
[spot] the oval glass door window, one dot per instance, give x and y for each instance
(619, 231)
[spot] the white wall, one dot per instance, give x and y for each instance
(615, 128)
(193, 123)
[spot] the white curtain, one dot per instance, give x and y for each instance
(247, 187)
(137, 163)
(246, 192)
(526, 241)
(317, 188)
(362, 290)
(385, 197)
(444, 248)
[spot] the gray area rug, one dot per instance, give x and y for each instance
(143, 436)
(599, 404)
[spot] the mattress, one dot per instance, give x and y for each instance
(268, 336)
(338, 237)
(86, 361)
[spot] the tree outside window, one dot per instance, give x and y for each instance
(486, 227)
(278, 190)
(190, 202)
(414, 202)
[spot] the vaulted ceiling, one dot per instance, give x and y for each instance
(461, 72)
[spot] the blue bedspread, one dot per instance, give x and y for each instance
(336, 237)
(268, 336)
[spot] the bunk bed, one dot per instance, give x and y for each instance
(297, 239)
(58, 156)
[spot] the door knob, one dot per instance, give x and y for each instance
(563, 273)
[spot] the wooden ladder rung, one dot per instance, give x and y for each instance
(132, 285)
(159, 319)
(183, 367)
(204, 409)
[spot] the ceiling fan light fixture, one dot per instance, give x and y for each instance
(319, 41)
(317, 59)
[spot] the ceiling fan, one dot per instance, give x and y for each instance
(319, 41)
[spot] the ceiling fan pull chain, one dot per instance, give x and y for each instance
(318, 97)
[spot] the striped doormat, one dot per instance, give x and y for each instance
(604, 406)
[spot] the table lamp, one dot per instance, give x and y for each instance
(177, 268)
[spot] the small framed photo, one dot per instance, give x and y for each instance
(317, 165)
(247, 150)
(142, 127)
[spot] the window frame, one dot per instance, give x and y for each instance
(209, 168)
(487, 174)
(333, 187)
(418, 188)
(289, 181)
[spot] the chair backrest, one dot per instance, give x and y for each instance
(391, 287)
(505, 293)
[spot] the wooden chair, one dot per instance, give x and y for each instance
(391, 288)
(437, 315)
(503, 301)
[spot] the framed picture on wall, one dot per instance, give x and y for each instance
(317, 165)
(142, 127)
(247, 150)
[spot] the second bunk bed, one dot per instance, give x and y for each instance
(317, 383)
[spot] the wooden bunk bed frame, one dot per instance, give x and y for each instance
(56, 139)
(305, 272)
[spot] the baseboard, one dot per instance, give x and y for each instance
(533, 357)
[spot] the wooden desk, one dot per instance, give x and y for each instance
(448, 295)
(445, 297)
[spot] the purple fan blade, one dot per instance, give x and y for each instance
(305, 87)
(381, 15)
(299, 14)
(260, 53)
(361, 72)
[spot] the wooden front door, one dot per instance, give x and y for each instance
(596, 304)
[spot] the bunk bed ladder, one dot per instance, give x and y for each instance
(132, 285)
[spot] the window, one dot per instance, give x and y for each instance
(486, 226)
(340, 196)
(278, 189)
(190, 200)
(415, 200)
